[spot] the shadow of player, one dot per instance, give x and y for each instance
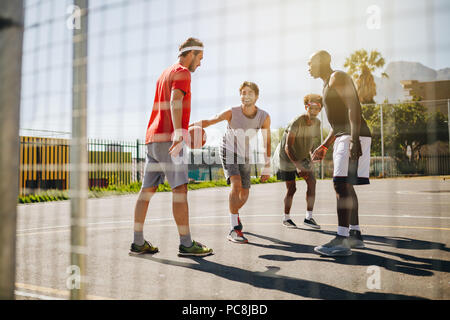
(363, 257)
(269, 279)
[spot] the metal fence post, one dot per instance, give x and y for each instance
(448, 122)
(256, 164)
(138, 162)
(79, 155)
(11, 35)
(321, 141)
(382, 140)
(209, 165)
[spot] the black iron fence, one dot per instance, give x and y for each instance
(44, 164)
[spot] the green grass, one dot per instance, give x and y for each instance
(114, 190)
(44, 196)
(207, 184)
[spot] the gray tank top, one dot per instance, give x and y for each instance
(241, 130)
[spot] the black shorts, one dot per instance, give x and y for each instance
(291, 175)
(286, 175)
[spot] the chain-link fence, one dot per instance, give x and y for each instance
(88, 75)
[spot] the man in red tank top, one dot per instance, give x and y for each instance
(164, 141)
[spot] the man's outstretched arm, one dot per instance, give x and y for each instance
(226, 115)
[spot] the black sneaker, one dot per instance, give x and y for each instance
(289, 224)
(239, 226)
(355, 240)
(311, 223)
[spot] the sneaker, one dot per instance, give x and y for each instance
(239, 226)
(339, 246)
(355, 240)
(197, 249)
(237, 236)
(311, 223)
(145, 248)
(289, 224)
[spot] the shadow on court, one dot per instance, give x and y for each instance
(396, 242)
(364, 257)
(405, 243)
(270, 280)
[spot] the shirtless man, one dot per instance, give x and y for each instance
(351, 152)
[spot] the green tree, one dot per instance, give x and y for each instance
(405, 124)
(360, 66)
(276, 136)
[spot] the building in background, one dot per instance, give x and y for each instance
(438, 91)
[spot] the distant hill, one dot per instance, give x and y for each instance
(391, 88)
(443, 74)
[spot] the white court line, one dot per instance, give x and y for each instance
(225, 224)
(227, 216)
(433, 192)
(36, 296)
(68, 226)
(51, 291)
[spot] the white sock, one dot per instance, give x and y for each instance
(234, 220)
(308, 215)
(343, 231)
(286, 217)
(356, 227)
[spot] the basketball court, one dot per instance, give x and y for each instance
(405, 223)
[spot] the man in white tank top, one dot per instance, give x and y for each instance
(244, 121)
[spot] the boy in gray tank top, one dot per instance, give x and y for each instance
(244, 121)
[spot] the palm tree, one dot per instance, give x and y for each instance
(360, 67)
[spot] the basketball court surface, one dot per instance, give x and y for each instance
(405, 223)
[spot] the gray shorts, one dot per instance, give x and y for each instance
(159, 164)
(235, 166)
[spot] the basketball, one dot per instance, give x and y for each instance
(196, 137)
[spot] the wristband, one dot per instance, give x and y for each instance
(177, 135)
(322, 146)
(266, 171)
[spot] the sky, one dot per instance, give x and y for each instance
(264, 41)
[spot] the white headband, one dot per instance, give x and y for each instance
(191, 48)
